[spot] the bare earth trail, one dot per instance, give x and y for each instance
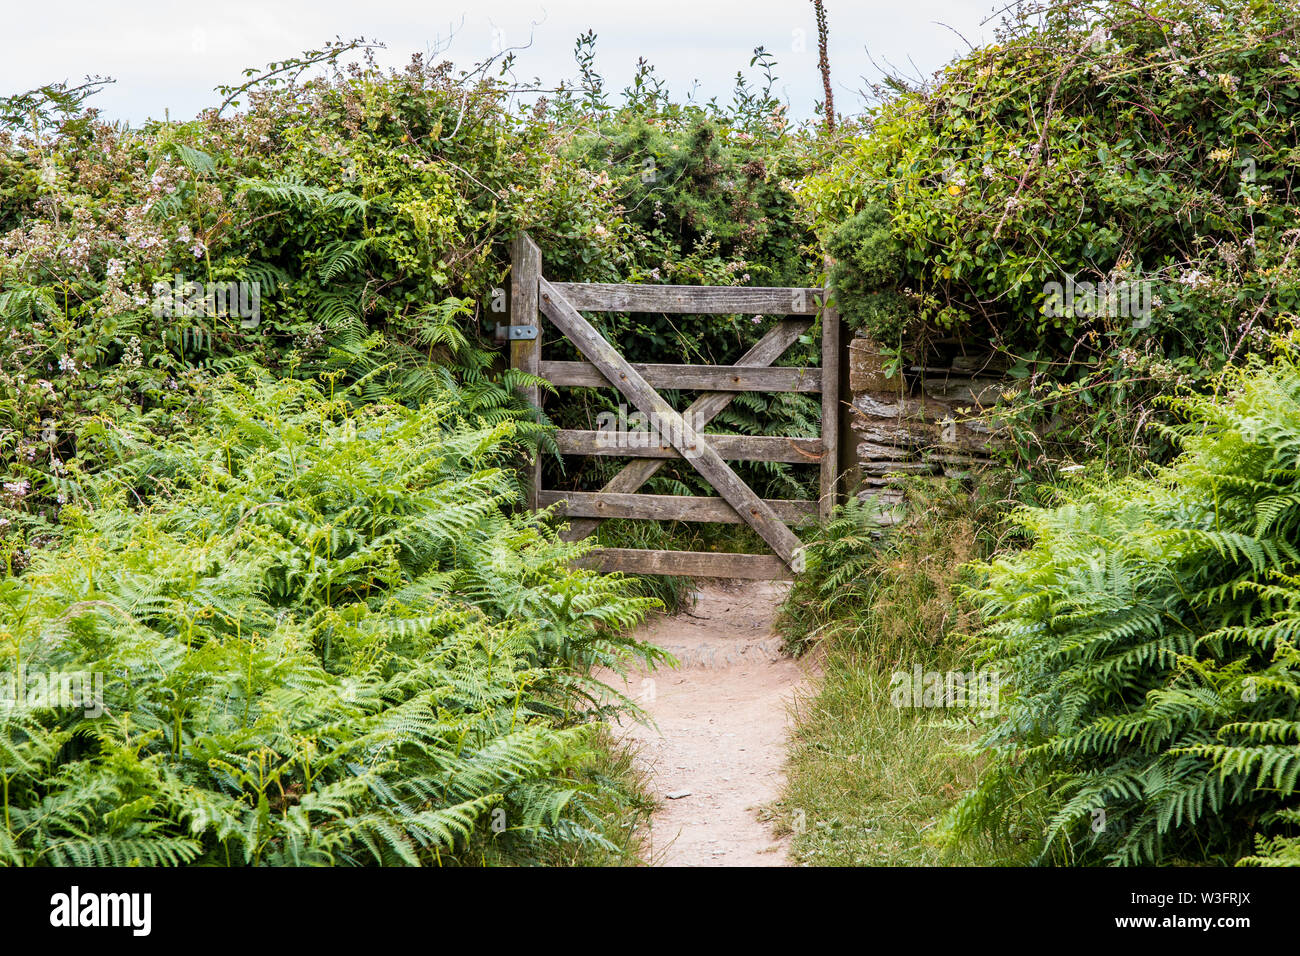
(716, 755)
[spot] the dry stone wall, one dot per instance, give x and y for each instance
(922, 422)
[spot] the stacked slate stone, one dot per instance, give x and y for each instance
(932, 419)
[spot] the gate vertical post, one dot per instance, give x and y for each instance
(830, 464)
(526, 354)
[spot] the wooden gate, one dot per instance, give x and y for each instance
(563, 302)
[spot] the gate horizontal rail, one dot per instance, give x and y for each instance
(694, 299)
(690, 564)
(606, 504)
(731, 447)
(714, 378)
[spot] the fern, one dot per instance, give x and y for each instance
(1148, 637)
(325, 641)
(293, 192)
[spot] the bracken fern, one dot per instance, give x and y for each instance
(325, 640)
(1147, 641)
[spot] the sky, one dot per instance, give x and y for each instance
(167, 56)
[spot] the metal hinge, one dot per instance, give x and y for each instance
(515, 332)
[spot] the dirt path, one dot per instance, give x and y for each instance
(717, 753)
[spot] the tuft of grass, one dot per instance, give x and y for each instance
(871, 783)
(884, 580)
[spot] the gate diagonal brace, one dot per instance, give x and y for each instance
(693, 446)
(703, 410)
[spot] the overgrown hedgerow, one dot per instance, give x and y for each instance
(372, 210)
(1146, 149)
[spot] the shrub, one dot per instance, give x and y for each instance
(1147, 145)
(866, 272)
(366, 206)
(372, 209)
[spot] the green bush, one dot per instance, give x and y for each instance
(369, 208)
(866, 273)
(322, 640)
(1149, 145)
(1147, 641)
(372, 208)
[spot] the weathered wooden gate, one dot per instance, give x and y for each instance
(563, 302)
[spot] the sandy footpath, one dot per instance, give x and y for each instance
(716, 755)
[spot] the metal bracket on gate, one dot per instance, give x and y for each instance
(514, 333)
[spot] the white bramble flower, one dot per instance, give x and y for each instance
(17, 489)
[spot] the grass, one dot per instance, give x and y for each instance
(624, 808)
(871, 783)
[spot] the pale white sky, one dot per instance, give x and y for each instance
(166, 55)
